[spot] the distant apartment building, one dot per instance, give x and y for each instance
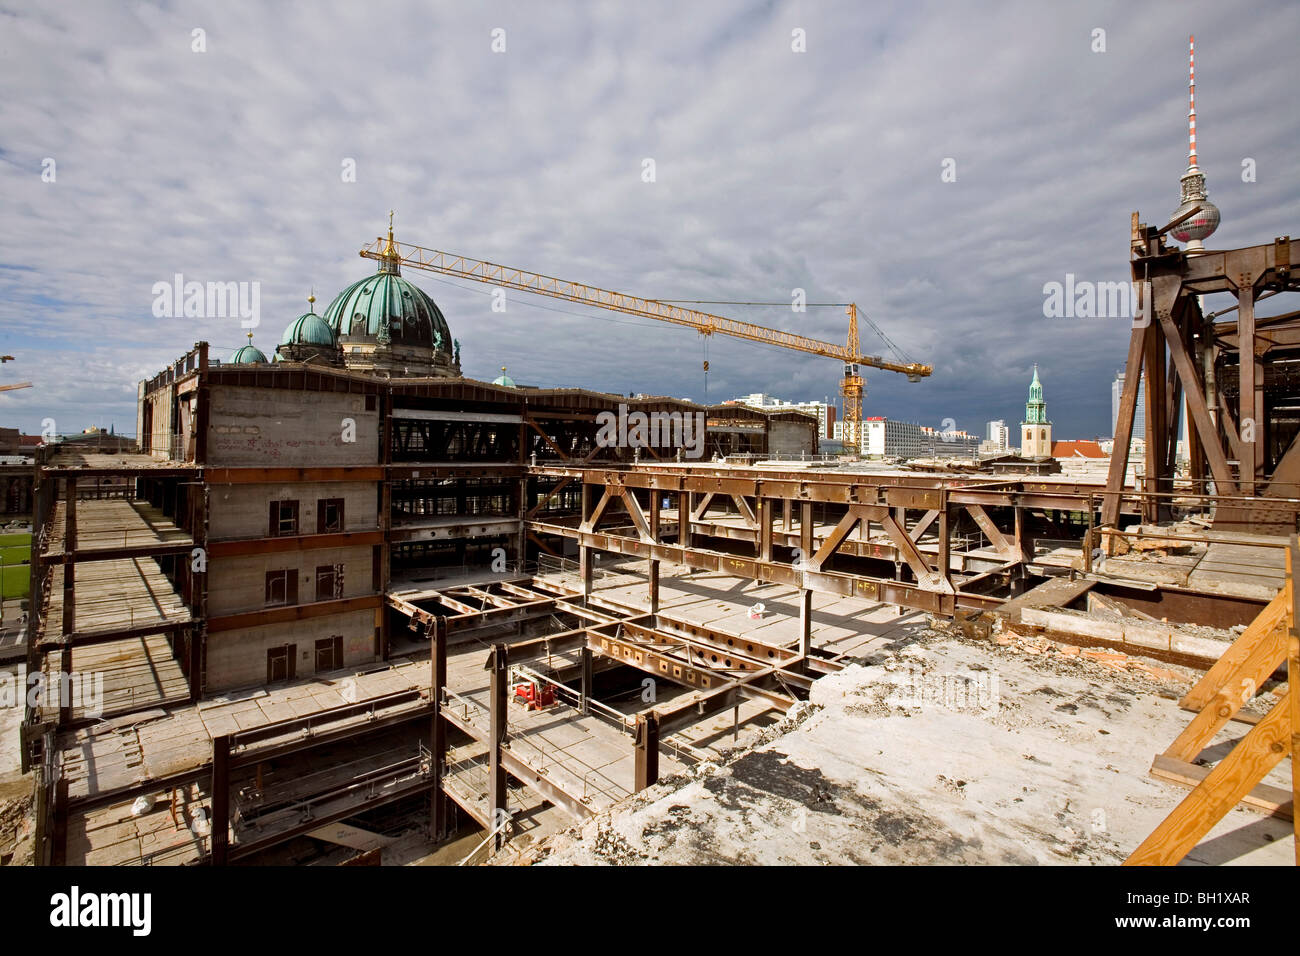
(998, 435)
(885, 438)
(1140, 419)
(825, 412)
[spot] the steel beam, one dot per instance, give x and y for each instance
(498, 662)
(647, 750)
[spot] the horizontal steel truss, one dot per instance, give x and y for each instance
(885, 502)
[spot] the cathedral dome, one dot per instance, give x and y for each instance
(387, 325)
(389, 309)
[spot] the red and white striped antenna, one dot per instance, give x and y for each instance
(1191, 101)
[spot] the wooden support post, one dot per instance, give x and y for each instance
(1222, 789)
(220, 797)
(647, 750)
(805, 622)
(440, 808)
(498, 662)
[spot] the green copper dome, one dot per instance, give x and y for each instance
(504, 379)
(388, 308)
(308, 329)
(248, 354)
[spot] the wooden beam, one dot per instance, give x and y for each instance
(1244, 683)
(1222, 789)
(1258, 631)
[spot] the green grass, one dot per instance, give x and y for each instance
(15, 555)
(16, 581)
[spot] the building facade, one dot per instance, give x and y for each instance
(884, 438)
(998, 436)
(1140, 418)
(823, 411)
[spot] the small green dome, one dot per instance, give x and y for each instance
(504, 379)
(308, 329)
(389, 308)
(248, 354)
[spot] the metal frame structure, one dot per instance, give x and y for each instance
(1238, 379)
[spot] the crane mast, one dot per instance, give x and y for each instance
(478, 270)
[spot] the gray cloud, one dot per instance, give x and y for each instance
(775, 170)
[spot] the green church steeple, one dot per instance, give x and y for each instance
(1036, 408)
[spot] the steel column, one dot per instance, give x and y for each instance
(647, 750)
(498, 662)
(220, 800)
(440, 809)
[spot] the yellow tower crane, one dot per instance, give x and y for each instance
(464, 267)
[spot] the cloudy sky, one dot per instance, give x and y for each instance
(223, 155)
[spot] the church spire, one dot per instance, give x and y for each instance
(1035, 408)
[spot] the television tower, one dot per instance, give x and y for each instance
(1200, 226)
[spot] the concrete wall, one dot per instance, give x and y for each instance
(238, 584)
(238, 658)
(274, 427)
(790, 438)
(160, 430)
(243, 511)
